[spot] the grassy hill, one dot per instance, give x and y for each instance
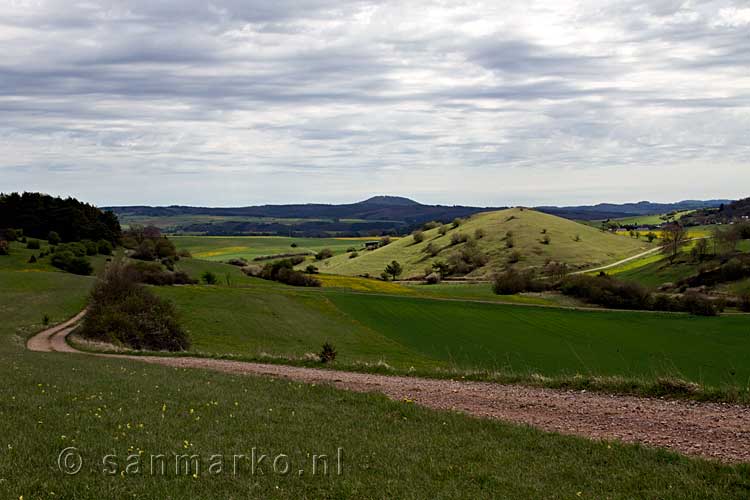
(577, 245)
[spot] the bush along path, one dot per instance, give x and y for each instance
(710, 430)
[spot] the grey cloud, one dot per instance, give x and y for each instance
(349, 92)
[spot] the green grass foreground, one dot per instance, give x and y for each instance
(49, 402)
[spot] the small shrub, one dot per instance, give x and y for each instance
(745, 302)
(431, 249)
(699, 305)
(239, 262)
(146, 250)
(512, 282)
(441, 268)
(479, 234)
(66, 258)
(122, 311)
(91, 247)
(608, 292)
(185, 254)
(311, 269)
(514, 257)
(33, 244)
(32, 259)
(443, 230)
(431, 225)
(353, 255)
(209, 278)
(45, 319)
(53, 238)
(324, 254)
(151, 273)
(104, 247)
(546, 240)
(577, 238)
(458, 238)
(351, 249)
(418, 236)
(327, 353)
(293, 245)
(456, 222)
(467, 259)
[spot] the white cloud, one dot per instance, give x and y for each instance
(235, 102)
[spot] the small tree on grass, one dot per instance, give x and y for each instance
(394, 269)
(209, 278)
(651, 236)
(327, 353)
(674, 237)
(443, 230)
(418, 236)
(53, 238)
(546, 240)
(441, 268)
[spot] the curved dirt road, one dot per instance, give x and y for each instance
(709, 430)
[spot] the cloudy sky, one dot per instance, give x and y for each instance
(239, 102)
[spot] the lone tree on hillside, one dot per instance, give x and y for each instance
(394, 269)
(673, 238)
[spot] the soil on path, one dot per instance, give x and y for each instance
(709, 430)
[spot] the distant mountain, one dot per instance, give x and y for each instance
(373, 216)
(615, 211)
(392, 201)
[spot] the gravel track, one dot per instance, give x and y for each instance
(709, 430)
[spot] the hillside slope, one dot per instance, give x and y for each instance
(592, 247)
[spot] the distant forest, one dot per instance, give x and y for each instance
(39, 214)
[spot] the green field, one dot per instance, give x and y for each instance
(49, 402)
(458, 335)
(222, 248)
(647, 220)
(593, 247)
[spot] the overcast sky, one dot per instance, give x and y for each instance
(239, 102)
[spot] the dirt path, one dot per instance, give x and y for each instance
(717, 431)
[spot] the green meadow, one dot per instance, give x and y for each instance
(222, 248)
(438, 335)
(131, 411)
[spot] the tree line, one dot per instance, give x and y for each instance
(39, 215)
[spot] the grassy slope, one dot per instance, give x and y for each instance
(436, 335)
(221, 248)
(595, 247)
(391, 449)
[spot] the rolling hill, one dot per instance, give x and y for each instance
(575, 244)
